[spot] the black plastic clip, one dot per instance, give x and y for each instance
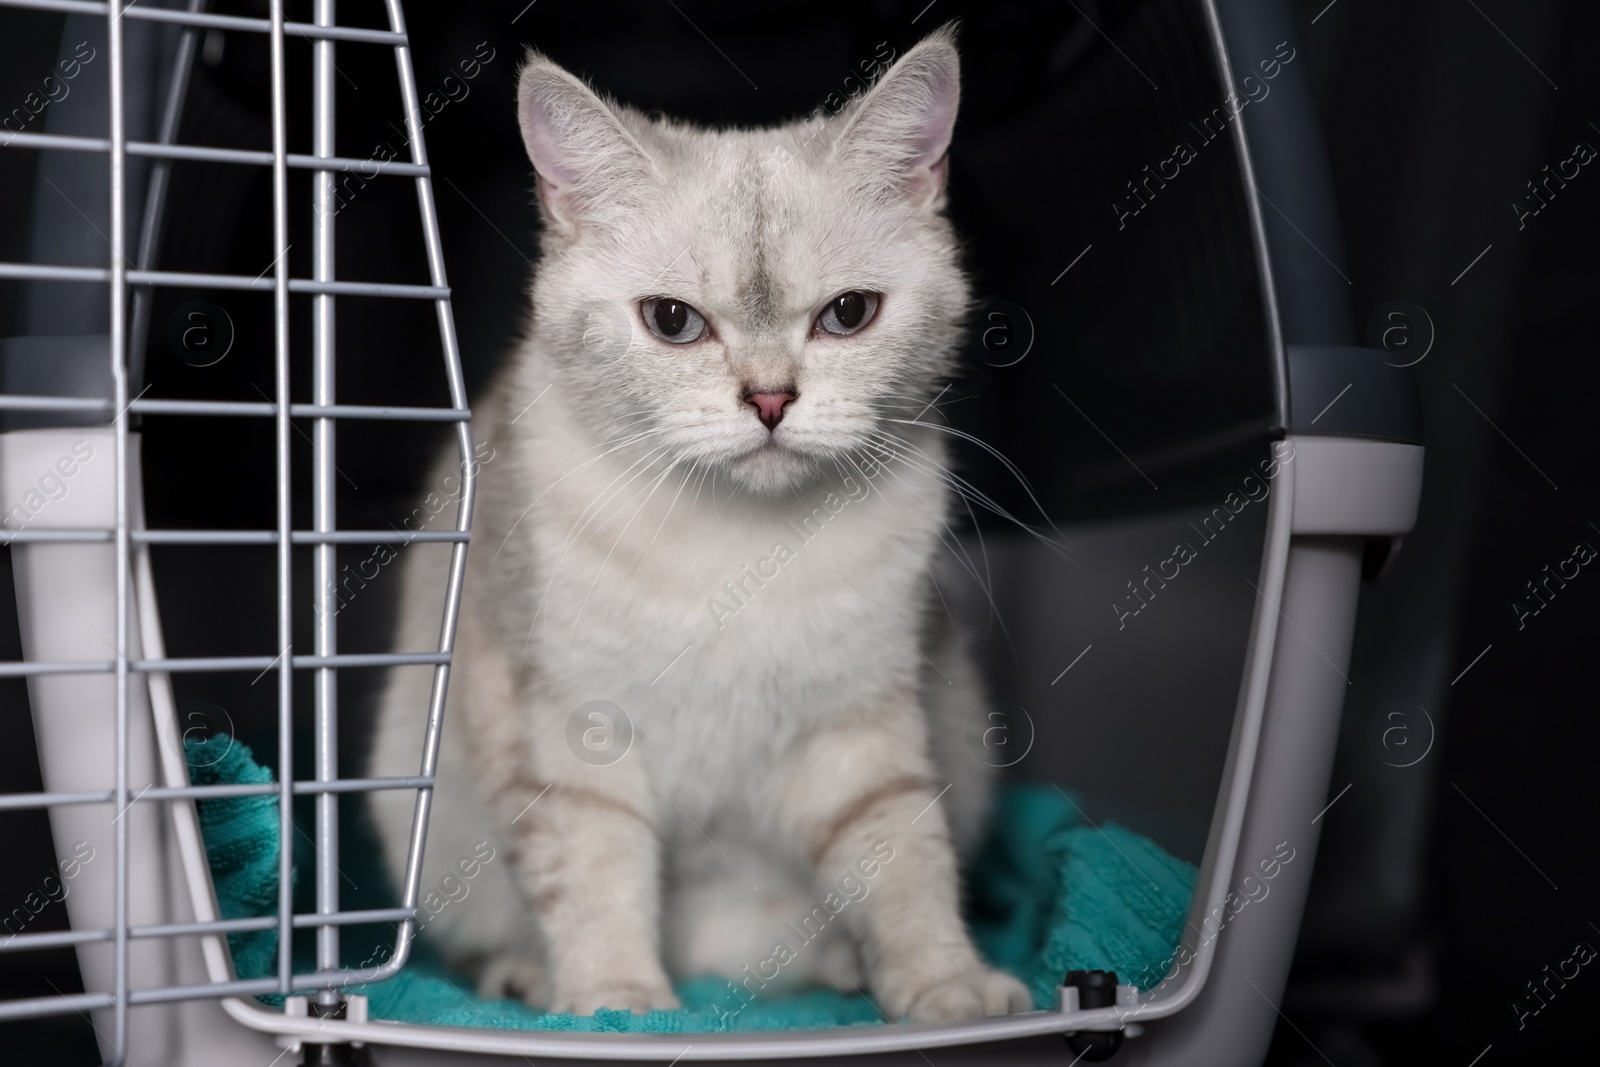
(1096, 989)
(336, 1055)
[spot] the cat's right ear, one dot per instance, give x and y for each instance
(896, 137)
(584, 156)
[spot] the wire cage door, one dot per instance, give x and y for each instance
(100, 683)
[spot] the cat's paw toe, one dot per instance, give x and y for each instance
(637, 997)
(969, 995)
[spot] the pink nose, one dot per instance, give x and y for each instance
(769, 406)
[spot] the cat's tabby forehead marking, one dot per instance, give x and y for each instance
(744, 224)
(756, 288)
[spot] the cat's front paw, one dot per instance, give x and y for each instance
(636, 997)
(968, 994)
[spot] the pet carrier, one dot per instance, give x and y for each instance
(1206, 463)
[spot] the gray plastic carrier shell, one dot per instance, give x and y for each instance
(160, 984)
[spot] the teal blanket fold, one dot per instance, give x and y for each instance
(241, 835)
(1048, 893)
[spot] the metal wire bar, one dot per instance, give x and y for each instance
(34, 1007)
(297, 285)
(8, 537)
(64, 938)
(337, 411)
(208, 154)
(216, 22)
(119, 378)
(44, 272)
(49, 272)
(377, 537)
(280, 364)
(234, 537)
(37, 1007)
(232, 407)
(237, 537)
(212, 664)
(209, 991)
(324, 503)
(299, 537)
(29, 669)
(25, 801)
(52, 403)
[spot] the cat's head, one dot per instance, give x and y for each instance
(758, 301)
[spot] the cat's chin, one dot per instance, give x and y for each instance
(772, 470)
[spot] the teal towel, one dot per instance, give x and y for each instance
(241, 835)
(1047, 894)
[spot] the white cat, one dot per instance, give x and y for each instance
(713, 503)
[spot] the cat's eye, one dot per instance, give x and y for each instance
(673, 321)
(848, 312)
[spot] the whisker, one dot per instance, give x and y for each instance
(581, 523)
(695, 503)
(620, 534)
(951, 543)
(958, 551)
(563, 476)
(686, 476)
(640, 414)
(971, 492)
(1011, 467)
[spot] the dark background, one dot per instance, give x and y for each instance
(1430, 911)
(1425, 919)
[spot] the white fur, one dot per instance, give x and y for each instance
(793, 736)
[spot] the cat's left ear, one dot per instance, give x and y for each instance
(896, 138)
(587, 161)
